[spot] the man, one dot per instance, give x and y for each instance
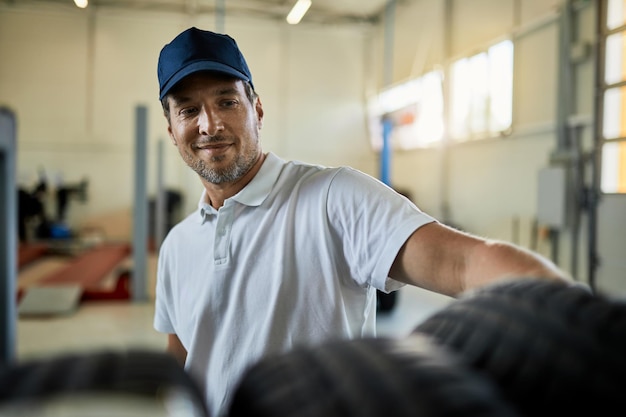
(280, 253)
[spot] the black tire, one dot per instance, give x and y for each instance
(138, 374)
(552, 348)
(365, 378)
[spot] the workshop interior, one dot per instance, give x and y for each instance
(502, 118)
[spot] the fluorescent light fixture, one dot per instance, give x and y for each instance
(298, 11)
(81, 3)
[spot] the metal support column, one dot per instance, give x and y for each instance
(161, 197)
(8, 236)
(140, 212)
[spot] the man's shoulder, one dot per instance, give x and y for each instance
(305, 177)
(306, 170)
(183, 228)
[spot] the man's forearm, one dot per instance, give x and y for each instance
(494, 260)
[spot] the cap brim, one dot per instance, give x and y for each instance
(197, 67)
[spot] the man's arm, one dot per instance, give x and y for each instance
(441, 259)
(176, 348)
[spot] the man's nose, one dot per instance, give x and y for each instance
(209, 122)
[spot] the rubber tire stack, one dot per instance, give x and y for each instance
(525, 347)
(366, 378)
(551, 348)
(154, 378)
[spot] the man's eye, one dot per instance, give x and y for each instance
(229, 103)
(187, 111)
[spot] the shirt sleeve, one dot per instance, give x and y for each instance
(374, 221)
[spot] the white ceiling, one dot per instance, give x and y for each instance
(321, 11)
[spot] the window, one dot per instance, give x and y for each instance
(615, 14)
(614, 167)
(613, 172)
(481, 93)
(416, 110)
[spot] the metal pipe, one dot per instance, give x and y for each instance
(8, 236)
(564, 84)
(567, 142)
(594, 192)
(578, 191)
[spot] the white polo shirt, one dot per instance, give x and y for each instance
(293, 259)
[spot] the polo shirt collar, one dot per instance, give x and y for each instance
(255, 192)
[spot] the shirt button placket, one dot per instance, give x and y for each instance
(222, 234)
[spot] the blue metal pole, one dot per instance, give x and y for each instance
(8, 236)
(385, 153)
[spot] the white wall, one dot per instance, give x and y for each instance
(75, 76)
(487, 187)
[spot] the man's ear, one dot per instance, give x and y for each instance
(259, 112)
(166, 114)
(172, 138)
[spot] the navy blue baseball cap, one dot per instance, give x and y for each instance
(197, 50)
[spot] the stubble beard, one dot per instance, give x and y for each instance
(230, 173)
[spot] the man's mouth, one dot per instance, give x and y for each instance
(213, 148)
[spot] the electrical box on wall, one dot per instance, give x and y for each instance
(552, 198)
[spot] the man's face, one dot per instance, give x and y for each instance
(215, 126)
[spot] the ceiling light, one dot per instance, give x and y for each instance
(298, 11)
(81, 3)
